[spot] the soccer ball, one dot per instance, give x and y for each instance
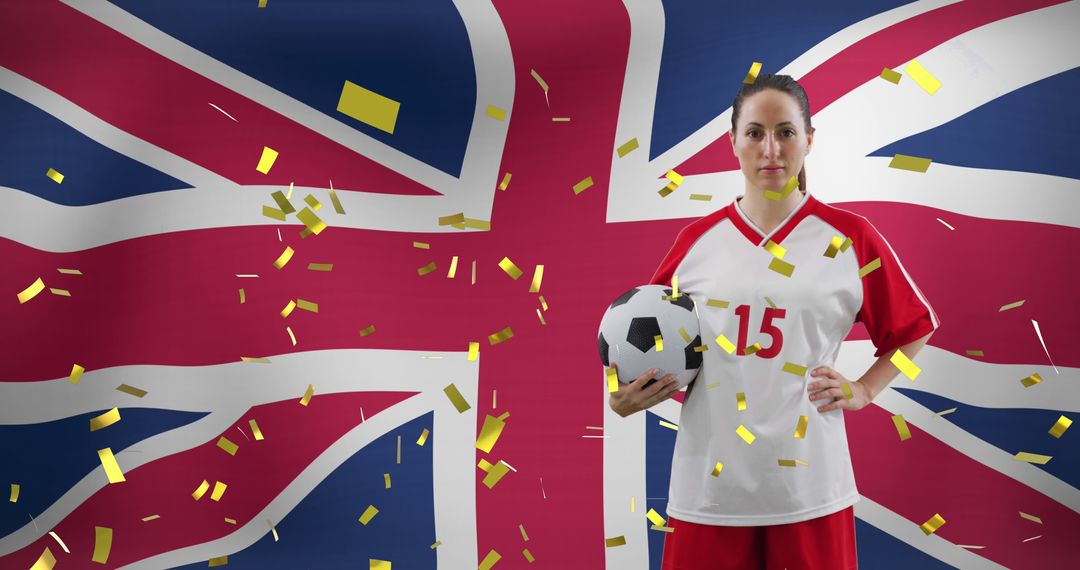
(631, 325)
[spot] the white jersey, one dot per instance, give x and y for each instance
(783, 461)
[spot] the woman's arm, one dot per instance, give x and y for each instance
(865, 389)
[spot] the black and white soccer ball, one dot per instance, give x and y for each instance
(631, 325)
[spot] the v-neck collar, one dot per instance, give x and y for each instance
(754, 234)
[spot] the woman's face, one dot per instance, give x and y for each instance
(770, 140)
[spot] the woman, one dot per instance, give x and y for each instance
(761, 476)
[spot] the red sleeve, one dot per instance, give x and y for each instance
(686, 238)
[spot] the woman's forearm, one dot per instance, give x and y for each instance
(878, 376)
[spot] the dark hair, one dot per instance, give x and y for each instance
(784, 84)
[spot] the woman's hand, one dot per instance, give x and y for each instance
(829, 384)
(634, 397)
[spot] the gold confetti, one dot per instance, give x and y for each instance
(776, 249)
(32, 291)
(284, 257)
(834, 247)
(627, 147)
(685, 335)
(61, 292)
(219, 490)
(495, 113)
(272, 529)
(675, 178)
(138, 393)
(255, 430)
(76, 373)
(456, 398)
(368, 107)
(105, 420)
(745, 434)
(583, 185)
(273, 213)
(227, 446)
(901, 427)
(452, 219)
(928, 82)
(701, 197)
(421, 245)
(1031, 518)
(659, 342)
(912, 163)
(426, 269)
(473, 282)
(845, 387)
(485, 465)
(752, 349)
(786, 463)
(844, 246)
(666, 190)
(662, 528)
(266, 161)
(770, 302)
(45, 562)
(102, 544)
(505, 181)
(1019, 303)
(335, 201)
(669, 425)
(1031, 380)
(800, 428)
(367, 330)
(782, 267)
(1060, 426)
(386, 480)
(751, 76)
(1032, 458)
(489, 433)
(307, 306)
(543, 303)
(717, 469)
(69, 271)
(489, 560)
(282, 201)
(717, 303)
(423, 437)
(495, 474)
(243, 298)
(14, 497)
(200, 490)
(890, 75)
(218, 561)
(313, 223)
(374, 564)
(789, 187)
(945, 412)
(151, 518)
(524, 535)
(478, 224)
(613, 542)
(740, 400)
(538, 277)
(528, 555)
(725, 344)
(869, 267)
(369, 513)
(313, 202)
(612, 379)
(112, 469)
(701, 348)
(54, 175)
(230, 521)
(560, 119)
(931, 526)
(496, 338)
(905, 365)
(307, 395)
(288, 309)
(436, 544)
(792, 368)
(512, 270)
(974, 353)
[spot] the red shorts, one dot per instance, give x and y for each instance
(824, 542)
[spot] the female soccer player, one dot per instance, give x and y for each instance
(761, 476)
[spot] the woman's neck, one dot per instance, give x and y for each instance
(767, 214)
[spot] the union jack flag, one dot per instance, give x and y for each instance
(299, 413)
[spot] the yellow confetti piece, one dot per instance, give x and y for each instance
(368, 107)
(789, 187)
(421, 245)
(745, 434)
(266, 161)
(151, 518)
(717, 303)
(436, 544)
(288, 309)
(272, 529)
(675, 178)
(451, 219)
(538, 278)
(284, 257)
(701, 348)
(131, 390)
(911, 163)
(495, 474)
(1031, 518)
(782, 267)
(869, 267)
(1060, 426)
(336, 202)
(367, 330)
(496, 338)
(752, 349)
(725, 344)
(103, 537)
(740, 400)
(539, 80)
(612, 379)
(901, 427)
(313, 202)
(627, 147)
(69, 271)
(374, 564)
(313, 223)
(685, 335)
(456, 398)
(489, 560)
(666, 190)
(243, 297)
(655, 518)
(505, 181)
(528, 555)
(776, 249)
(890, 75)
(945, 412)
(218, 561)
(473, 282)
(543, 303)
(524, 535)
(105, 420)
(669, 425)
(1032, 458)
(495, 113)
(905, 365)
(834, 247)
(1019, 303)
(219, 490)
(770, 302)
(616, 541)
(662, 528)
(800, 428)
(61, 292)
(76, 373)
(930, 527)
(701, 197)
(792, 368)
(307, 395)
(717, 469)
(485, 465)
(31, 291)
(1031, 380)
(845, 387)
(282, 201)
(928, 82)
(14, 497)
(369, 513)
(423, 437)
(230, 521)
(484, 225)
(422, 271)
(227, 446)
(583, 185)
(273, 213)
(255, 430)
(974, 353)
(512, 270)
(200, 490)
(844, 246)
(751, 76)
(489, 433)
(45, 562)
(54, 175)
(307, 306)
(386, 480)
(112, 469)
(659, 342)
(786, 463)
(560, 119)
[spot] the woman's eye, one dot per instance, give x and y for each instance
(752, 134)
(789, 133)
